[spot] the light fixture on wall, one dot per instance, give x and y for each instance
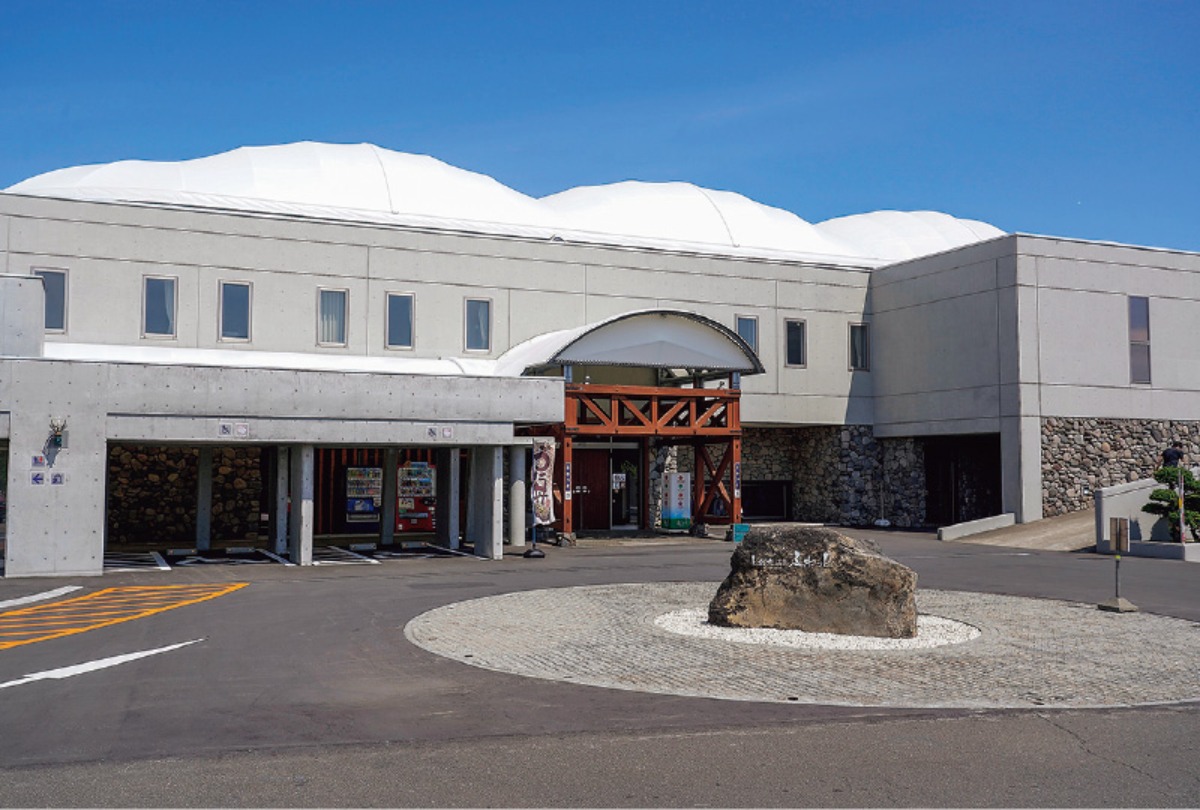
(58, 424)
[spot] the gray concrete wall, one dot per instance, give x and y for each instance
(535, 286)
(58, 528)
(995, 337)
(1126, 501)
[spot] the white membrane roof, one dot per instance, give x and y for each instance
(366, 183)
(651, 338)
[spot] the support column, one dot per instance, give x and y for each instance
(1021, 467)
(485, 505)
(204, 479)
(698, 488)
(387, 518)
(736, 490)
(645, 465)
(279, 499)
(300, 536)
(516, 496)
(449, 493)
(568, 484)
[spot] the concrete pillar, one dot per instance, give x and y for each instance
(387, 517)
(516, 496)
(22, 316)
(1021, 467)
(485, 504)
(279, 500)
(300, 536)
(204, 476)
(449, 492)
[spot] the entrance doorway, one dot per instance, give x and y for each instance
(962, 478)
(606, 487)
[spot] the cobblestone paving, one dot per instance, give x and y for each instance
(1030, 652)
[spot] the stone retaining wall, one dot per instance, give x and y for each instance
(841, 475)
(1080, 455)
(152, 494)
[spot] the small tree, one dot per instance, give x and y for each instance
(1165, 502)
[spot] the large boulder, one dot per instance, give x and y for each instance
(817, 580)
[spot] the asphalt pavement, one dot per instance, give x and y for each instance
(300, 689)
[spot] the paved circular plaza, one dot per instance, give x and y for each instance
(650, 638)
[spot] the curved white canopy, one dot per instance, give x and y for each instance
(366, 183)
(652, 338)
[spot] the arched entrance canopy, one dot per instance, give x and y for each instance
(610, 431)
(653, 338)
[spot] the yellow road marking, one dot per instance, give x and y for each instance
(101, 609)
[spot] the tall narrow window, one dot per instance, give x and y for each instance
(399, 321)
(55, 283)
(158, 307)
(860, 347)
(479, 325)
(1139, 340)
(331, 317)
(747, 329)
(795, 351)
(235, 310)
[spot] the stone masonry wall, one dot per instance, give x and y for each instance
(152, 494)
(841, 475)
(1080, 455)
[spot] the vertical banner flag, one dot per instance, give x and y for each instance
(542, 491)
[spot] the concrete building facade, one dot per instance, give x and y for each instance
(997, 373)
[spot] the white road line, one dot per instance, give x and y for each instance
(92, 666)
(38, 597)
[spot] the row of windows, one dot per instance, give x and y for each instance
(795, 348)
(235, 308)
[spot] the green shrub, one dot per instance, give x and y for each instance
(1165, 502)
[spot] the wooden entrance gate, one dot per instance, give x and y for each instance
(704, 419)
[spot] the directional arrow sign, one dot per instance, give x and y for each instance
(92, 666)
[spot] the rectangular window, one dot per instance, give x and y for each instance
(55, 283)
(795, 352)
(479, 325)
(158, 307)
(747, 329)
(331, 317)
(860, 347)
(235, 310)
(1139, 340)
(399, 321)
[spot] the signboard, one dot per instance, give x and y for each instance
(677, 510)
(541, 491)
(364, 494)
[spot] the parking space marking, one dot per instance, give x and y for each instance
(101, 609)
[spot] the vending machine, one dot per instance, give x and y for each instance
(416, 497)
(364, 494)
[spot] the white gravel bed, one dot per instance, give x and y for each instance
(932, 631)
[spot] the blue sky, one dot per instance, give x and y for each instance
(1076, 119)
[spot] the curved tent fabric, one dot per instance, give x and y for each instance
(366, 183)
(657, 338)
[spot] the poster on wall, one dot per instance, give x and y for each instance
(541, 491)
(364, 494)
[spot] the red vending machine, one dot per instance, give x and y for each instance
(416, 497)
